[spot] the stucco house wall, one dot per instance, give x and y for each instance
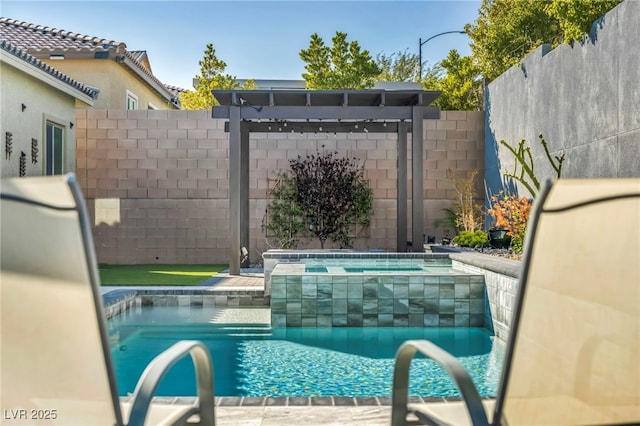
(157, 182)
(113, 79)
(45, 98)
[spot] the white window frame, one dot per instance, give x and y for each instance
(50, 148)
(151, 106)
(131, 99)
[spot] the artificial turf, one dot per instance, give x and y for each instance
(122, 275)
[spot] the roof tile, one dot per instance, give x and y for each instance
(19, 53)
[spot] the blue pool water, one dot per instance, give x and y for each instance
(356, 265)
(257, 360)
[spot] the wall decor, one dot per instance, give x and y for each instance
(23, 164)
(34, 151)
(8, 145)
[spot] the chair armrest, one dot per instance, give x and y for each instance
(463, 381)
(160, 365)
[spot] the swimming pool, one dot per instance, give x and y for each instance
(257, 360)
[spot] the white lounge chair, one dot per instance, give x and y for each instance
(573, 354)
(55, 363)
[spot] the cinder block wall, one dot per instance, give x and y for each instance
(156, 182)
(584, 99)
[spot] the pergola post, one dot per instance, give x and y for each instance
(244, 192)
(417, 175)
(401, 203)
(235, 164)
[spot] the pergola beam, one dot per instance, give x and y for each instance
(320, 127)
(335, 113)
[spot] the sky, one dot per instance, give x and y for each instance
(257, 39)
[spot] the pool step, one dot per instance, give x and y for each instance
(204, 331)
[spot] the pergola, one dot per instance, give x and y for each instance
(344, 111)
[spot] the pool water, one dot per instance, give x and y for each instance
(257, 360)
(350, 266)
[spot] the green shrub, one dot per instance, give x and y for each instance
(471, 239)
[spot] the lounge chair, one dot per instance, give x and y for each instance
(573, 354)
(55, 361)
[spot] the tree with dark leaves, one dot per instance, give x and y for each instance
(330, 195)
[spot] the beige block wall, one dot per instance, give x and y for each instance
(157, 181)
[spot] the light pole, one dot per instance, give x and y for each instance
(431, 38)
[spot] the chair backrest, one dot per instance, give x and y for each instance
(574, 351)
(55, 355)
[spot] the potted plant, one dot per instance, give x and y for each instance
(499, 238)
(510, 214)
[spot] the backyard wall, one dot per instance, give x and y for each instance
(584, 99)
(156, 182)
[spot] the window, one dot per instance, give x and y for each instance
(152, 106)
(54, 149)
(132, 101)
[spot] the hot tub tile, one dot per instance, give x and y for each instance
(369, 320)
(385, 320)
(400, 320)
(431, 320)
(339, 306)
(309, 290)
(416, 305)
(309, 321)
(339, 320)
(354, 320)
(446, 320)
(446, 306)
(431, 291)
(461, 320)
(370, 289)
(447, 291)
(324, 321)
(370, 306)
(325, 306)
(461, 291)
(385, 291)
(385, 306)
(461, 307)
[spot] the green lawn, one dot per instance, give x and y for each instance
(157, 274)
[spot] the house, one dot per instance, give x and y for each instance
(37, 118)
(124, 77)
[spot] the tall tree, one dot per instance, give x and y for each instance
(459, 81)
(575, 17)
(211, 77)
(399, 66)
(341, 66)
(507, 30)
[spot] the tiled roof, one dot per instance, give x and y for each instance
(39, 40)
(140, 56)
(175, 89)
(19, 53)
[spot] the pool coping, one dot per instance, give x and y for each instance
(298, 401)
